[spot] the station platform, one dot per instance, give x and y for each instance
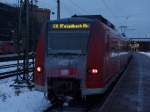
(132, 92)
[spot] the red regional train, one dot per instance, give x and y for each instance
(7, 47)
(79, 56)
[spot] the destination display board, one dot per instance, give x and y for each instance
(67, 26)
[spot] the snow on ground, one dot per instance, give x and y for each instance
(9, 63)
(20, 100)
(145, 53)
(12, 62)
(2, 70)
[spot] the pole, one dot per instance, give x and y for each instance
(123, 30)
(27, 41)
(24, 36)
(58, 9)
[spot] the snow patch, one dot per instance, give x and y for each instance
(145, 53)
(20, 100)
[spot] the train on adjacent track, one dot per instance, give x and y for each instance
(7, 47)
(79, 56)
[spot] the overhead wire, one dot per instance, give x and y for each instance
(78, 7)
(66, 7)
(81, 10)
(69, 7)
(100, 8)
(108, 8)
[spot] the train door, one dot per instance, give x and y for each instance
(107, 58)
(118, 56)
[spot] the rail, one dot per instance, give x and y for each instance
(10, 57)
(93, 104)
(5, 73)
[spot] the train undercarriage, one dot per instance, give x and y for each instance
(63, 90)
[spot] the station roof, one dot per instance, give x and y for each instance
(140, 39)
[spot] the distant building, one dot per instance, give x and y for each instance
(9, 22)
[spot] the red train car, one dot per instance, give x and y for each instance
(7, 47)
(79, 56)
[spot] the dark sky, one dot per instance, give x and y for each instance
(133, 13)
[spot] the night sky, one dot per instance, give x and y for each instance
(133, 13)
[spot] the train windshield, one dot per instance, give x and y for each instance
(68, 41)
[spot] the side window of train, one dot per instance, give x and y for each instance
(108, 43)
(114, 45)
(118, 46)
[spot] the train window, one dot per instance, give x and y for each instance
(114, 45)
(67, 41)
(108, 43)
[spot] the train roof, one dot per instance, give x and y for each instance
(98, 17)
(73, 20)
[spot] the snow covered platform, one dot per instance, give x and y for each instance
(132, 93)
(20, 100)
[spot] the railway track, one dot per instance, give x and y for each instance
(9, 57)
(10, 73)
(71, 108)
(90, 105)
(87, 106)
(67, 109)
(93, 104)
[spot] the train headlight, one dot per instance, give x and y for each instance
(39, 69)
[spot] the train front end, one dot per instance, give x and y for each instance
(65, 61)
